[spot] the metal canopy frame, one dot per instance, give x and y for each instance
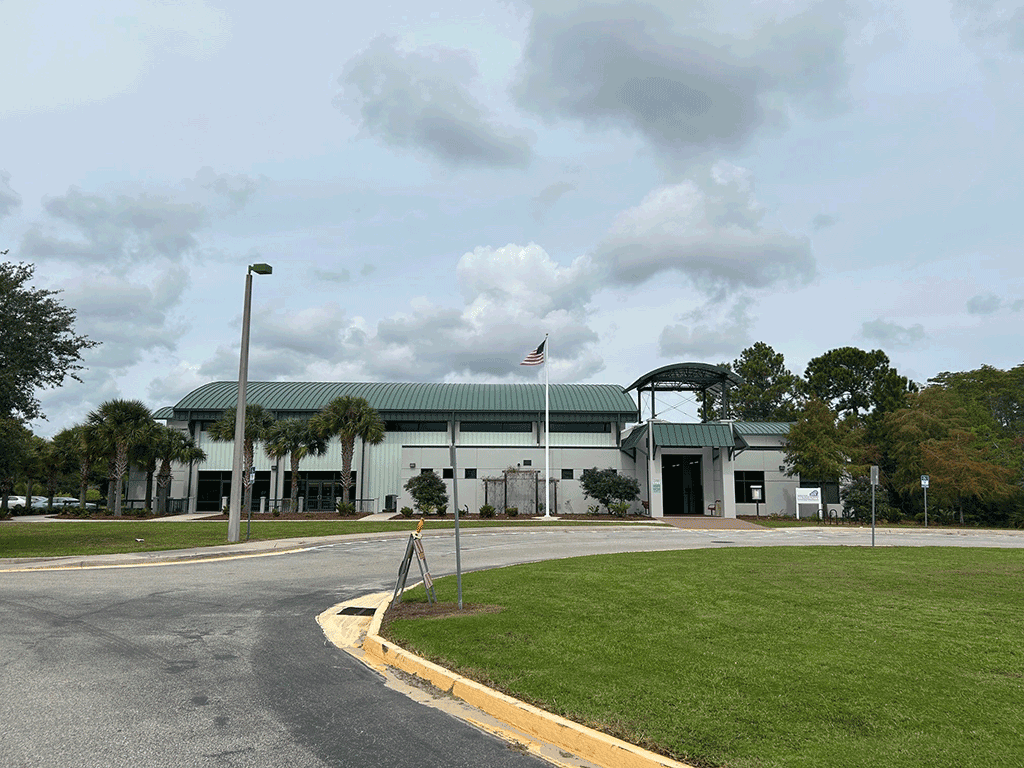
(686, 377)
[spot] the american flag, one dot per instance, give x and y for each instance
(537, 356)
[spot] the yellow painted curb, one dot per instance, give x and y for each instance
(597, 747)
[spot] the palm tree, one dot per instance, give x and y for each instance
(257, 424)
(143, 456)
(172, 445)
(121, 424)
(348, 418)
(86, 449)
(295, 439)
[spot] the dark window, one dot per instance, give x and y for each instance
(417, 426)
(424, 471)
(567, 474)
(745, 479)
(579, 426)
(447, 473)
(496, 426)
(527, 462)
(471, 474)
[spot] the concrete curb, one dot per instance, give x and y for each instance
(597, 747)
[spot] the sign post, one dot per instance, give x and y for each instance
(415, 547)
(924, 486)
(755, 494)
(874, 482)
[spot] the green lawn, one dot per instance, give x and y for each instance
(818, 656)
(103, 537)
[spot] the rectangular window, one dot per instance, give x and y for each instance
(425, 470)
(447, 473)
(471, 473)
(416, 426)
(527, 462)
(567, 474)
(744, 480)
(496, 426)
(595, 427)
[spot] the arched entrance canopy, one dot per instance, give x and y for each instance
(687, 377)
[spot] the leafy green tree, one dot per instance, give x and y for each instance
(57, 463)
(609, 487)
(769, 391)
(349, 418)
(295, 439)
(121, 425)
(89, 450)
(15, 449)
(38, 345)
(428, 492)
(854, 383)
(999, 394)
(258, 421)
(819, 446)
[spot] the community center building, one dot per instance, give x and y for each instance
(490, 439)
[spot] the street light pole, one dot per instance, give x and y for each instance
(237, 458)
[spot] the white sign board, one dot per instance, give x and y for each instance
(656, 486)
(808, 496)
(924, 481)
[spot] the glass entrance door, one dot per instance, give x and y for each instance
(683, 485)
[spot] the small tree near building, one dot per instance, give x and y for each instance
(616, 492)
(428, 493)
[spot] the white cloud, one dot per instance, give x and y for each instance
(983, 304)
(421, 100)
(715, 235)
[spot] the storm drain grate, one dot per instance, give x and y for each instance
(722, 542)
(355, 610)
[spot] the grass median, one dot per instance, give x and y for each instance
(760, 657)
(105, 537)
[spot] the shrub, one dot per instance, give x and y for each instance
(619, 508)
(345, 508)
(276, 512)
(609, 487)
(487, 511)
(406, 511)
(427, 491)
(511, 511)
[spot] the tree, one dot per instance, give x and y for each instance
(820, 447)
(257, 426)
(769, 391)
(89, 450)
(121, 425)
(428, 492)
(348, 418)
(294, 438)
(15, 448)
(854, 383)
(172, 445)
(38, 345)
(609, 487)
(56, 462)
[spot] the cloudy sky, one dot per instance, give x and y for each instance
(439, 185)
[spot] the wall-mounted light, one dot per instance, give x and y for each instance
(412, 465)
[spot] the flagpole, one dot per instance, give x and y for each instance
(547, 432)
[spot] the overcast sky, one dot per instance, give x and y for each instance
(439, 185)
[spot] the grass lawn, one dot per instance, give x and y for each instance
(102, 537)
(817, 656)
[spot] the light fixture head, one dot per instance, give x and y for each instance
(261, 269)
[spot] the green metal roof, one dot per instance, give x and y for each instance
(762, 427)
(408, 400)
(685, 436)
(167, 412)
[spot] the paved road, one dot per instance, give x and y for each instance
(222, 663)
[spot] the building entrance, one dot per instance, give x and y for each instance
(682, 484)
